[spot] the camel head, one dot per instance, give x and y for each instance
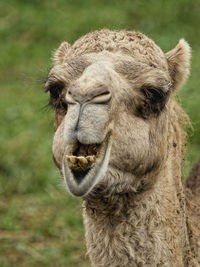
(112, 95)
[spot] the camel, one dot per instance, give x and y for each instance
(119, 144)
(193, 181)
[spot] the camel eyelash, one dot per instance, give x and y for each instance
(155, 95)
(54, 89)
(154, 102)
(55, 100)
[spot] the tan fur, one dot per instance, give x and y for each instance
(60, 53)
(193, 180)
(139, 213)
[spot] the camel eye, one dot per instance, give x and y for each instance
(55, 90)
(155, 95)
(56, 97)
(154, 102)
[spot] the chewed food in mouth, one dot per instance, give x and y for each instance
(83, 157)
(81, 162)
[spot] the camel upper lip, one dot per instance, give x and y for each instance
(82, 166)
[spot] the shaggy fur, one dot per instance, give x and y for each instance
(139, 213)
(193, 180)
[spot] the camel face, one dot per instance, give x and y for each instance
(111, 110)
(105, 113)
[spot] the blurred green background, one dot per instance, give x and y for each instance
(40, 224)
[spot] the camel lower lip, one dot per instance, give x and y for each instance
(82, 173)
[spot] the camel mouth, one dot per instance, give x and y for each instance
(83, 157)
(84, 165)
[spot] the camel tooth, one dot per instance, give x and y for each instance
(82, 162)
(72, 159)
(91, 159)
(72, 162)
(82, 159)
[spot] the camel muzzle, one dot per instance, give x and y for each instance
(85, 166)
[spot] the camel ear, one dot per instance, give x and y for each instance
(60, 53)
(179, 63)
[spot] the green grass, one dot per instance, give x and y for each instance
(40, 224)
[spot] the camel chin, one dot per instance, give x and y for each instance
(84, 165)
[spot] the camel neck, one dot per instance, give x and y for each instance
(146, 228)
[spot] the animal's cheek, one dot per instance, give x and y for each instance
(130, 148)
(59, 145)
(129, 158)
(58, 118)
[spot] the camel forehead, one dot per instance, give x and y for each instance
(106, 64)
(134, 44)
